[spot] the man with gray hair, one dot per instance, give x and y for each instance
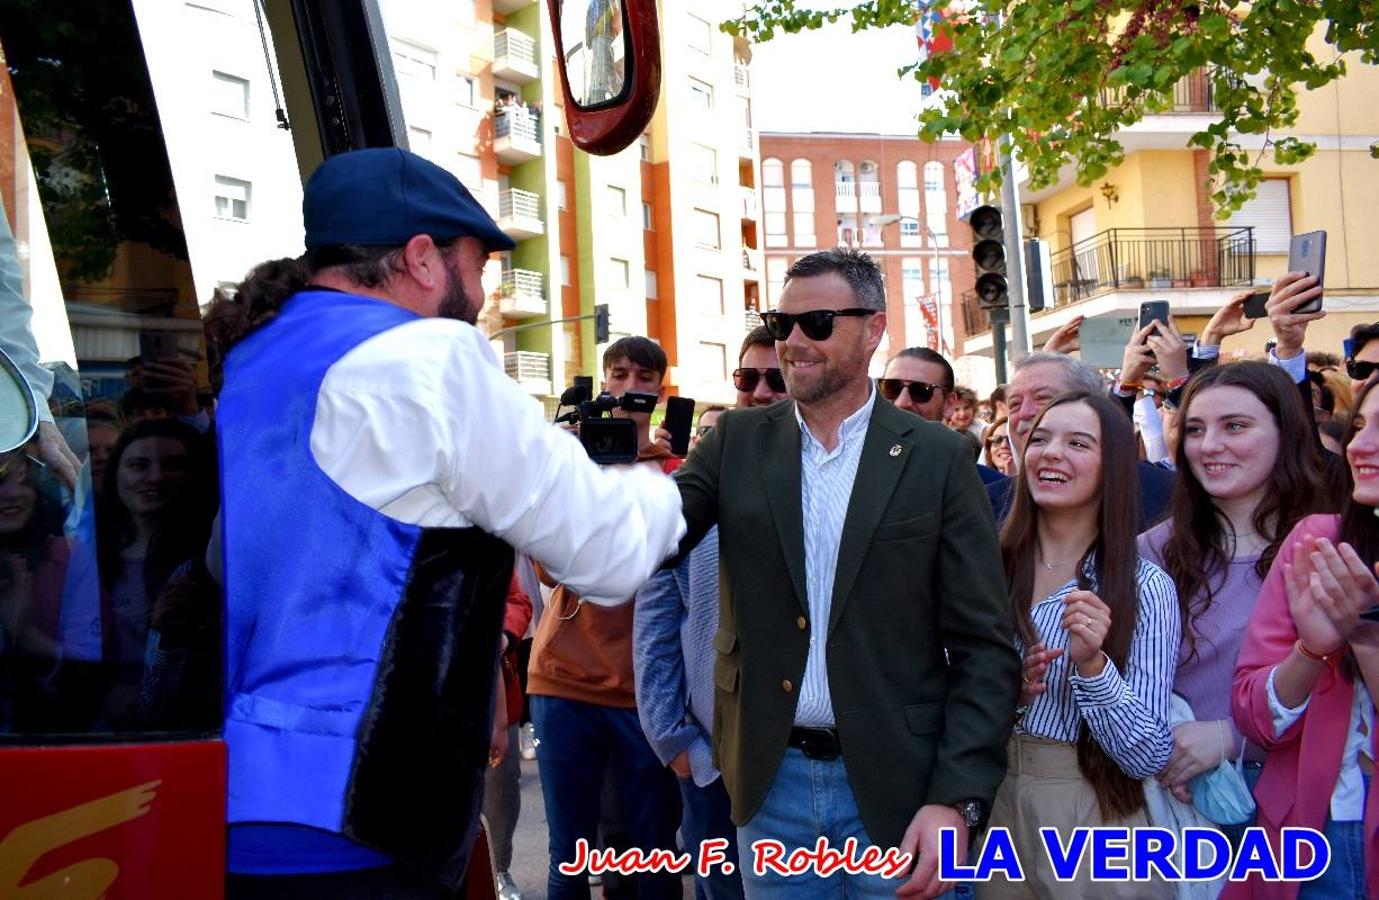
(1038, 378)
(865, 677)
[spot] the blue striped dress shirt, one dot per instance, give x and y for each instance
(1127, 714)
(673, 625)
(826, 479)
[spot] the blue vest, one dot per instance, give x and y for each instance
(360, 651)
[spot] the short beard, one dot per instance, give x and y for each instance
(836, 377)
(457, 304)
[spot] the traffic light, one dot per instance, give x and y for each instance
(989, 255)
(601, 323)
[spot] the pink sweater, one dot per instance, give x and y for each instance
(1289, 792)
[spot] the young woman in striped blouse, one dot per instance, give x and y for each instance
(1099, 629)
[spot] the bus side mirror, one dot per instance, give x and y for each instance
(609, 53)
(18, 415)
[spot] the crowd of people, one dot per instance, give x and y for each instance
(859, 609)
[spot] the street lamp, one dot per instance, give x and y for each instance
(881, 221)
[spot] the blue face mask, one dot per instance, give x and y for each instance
(1222, 796)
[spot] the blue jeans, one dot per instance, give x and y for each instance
(707, 815)
(809, 799)
(578, 743)
(1345, 876)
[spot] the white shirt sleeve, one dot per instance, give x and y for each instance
(16, 336)
(421, 424)
(1283, 716)
(1296, 366)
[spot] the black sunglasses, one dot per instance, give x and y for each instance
(817, 324)
(746, 380)
(920, 391)
(1359, 369)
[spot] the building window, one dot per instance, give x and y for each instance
(704, 162)
(912, 293)
(617, 202)
(470, 171)
(714, 361)
(936, 202)
(230, 95)
(414, 61)
(646, 217)
(706, 231)
(565, 272)
(469, 91)
(776, 267)
(232, 198)
(804, 229)
(650, 285)
(1270, 214)
(775, 230)
(710, 295)
(701, 95)
(644, 147)
(420, 139)
(700, 35)
(562, 197)
(622, 273)
(907, 188)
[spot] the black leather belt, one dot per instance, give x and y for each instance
(817, 743)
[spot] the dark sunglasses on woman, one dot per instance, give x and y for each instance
(920, 391)
(817, 324)
(746, 380)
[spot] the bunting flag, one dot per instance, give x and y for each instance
(931, 33)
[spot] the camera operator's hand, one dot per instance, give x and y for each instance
(1169, 350)
(1067, 338)
(1290, 328)
(1228, 320)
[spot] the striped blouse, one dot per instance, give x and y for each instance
(1127, 714)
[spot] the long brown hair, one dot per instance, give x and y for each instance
(1359, 525)
(1198, 548)
(1114, 560)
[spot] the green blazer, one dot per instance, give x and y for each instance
(922, 669)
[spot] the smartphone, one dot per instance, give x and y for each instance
(679, 418)
(1254, 305)
(1307, 253)
(155, 345)
(1153, 310)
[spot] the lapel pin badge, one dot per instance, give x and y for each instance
(896, 450)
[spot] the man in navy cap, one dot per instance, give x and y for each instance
(378, 469)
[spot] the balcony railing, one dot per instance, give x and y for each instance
(751, 318)
(742, 80)
(1138, 258)
(518, 123)
(1192, 94)
(749, 203)
(531, 370)
(514, 203)
(522, 294)
(514, 56)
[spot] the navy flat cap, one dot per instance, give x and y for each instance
(385, 196)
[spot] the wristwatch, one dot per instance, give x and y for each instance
(971, 812)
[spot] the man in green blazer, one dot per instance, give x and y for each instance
(866, 677)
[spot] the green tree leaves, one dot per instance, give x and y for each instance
(1064, 76)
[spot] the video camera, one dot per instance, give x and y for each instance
(607, 440)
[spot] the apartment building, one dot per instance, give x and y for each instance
(480, 95)
(1148, 229)
(890, 195)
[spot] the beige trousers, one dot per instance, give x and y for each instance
(1044, 789)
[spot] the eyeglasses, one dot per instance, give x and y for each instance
(997, 439)
(702, 430)
(746, 380)
(920, 391)
(1360, 370)
(817, 324)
